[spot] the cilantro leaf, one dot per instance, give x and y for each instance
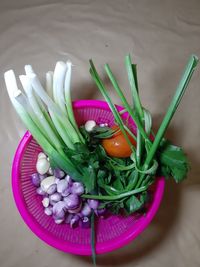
(173, 161)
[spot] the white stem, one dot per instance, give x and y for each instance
(68, 99)
(41, 120)
(28, 69)
(49, 83)
(53, 107)
(58, 84)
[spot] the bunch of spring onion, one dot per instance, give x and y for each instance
(48, 114)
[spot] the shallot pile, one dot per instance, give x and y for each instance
(62, 196)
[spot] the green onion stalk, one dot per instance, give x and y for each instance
(51, 123)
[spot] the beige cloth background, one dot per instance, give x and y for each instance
(160, 35)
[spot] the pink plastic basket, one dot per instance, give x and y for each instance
(112, 232)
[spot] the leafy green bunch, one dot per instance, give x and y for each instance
(124, 183)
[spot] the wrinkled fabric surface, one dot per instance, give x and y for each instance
(160, 35)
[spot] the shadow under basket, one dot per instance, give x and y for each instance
(111, 233)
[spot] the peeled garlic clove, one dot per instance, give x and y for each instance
(41, 155)
(89, 125)
(48, 211)
(47, 182)
(59, 221)
(45, 202)
(42, 166)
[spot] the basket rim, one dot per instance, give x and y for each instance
(66, 246)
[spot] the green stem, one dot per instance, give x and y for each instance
(137, 103)
(181, 88)
(133, 85)
(116, 197)
(103, 90)
(130, 133)
(125, 103)
(93, 238)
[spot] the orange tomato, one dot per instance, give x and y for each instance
(117, 146)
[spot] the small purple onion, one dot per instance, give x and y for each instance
(59, 210)
(57, 180)
(62, 186)
(77, 210)
(94, 204)
(55, 197)
(66, 192)
(69, 180)
(52, 189)
(58, 173)
(40, 191)
(35, 179)
(77, 188)
(68, 218)
(84, 222)
(52, 203)
(86, 210)
(74, 221)
(72, 201)
(42, 177)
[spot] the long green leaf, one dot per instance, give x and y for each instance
(181, 88)
(103, 90)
